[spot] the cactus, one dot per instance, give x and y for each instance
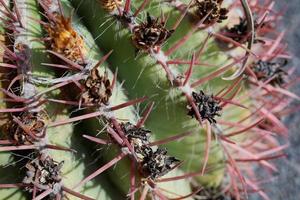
(161, 99)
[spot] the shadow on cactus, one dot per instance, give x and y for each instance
(162, 99)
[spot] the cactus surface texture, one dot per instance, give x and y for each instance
(144, 99)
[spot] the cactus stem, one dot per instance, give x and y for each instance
(230, 40)
(67, 81)
(274, 120)
(172, 138)
(76, 194)
(124, 142)
(234, 184)
(115, 135)
(97, 113)
(127, 6)
(54, 8)
(251, 155)
(18, 148)
(74, 103)
(162, 57)
(13, 96)
(142, 6)
(57, 66)
(232, 86)
(180, 42)
(230, 101)
(293, 109)
(183, 14)
(216, 73)
(277, 149)
(145, 115)
(203, 46)
(75, 119)
(194, 108)
(8, 65)
(69, 62)
(19, 19)
(10, 13)
(207, 146)
(15, 79)
(34, 147)
(283, 91)
(251, 32)
(188, 195)
(261, 102)
(177, 178)
(11, 55)
(114, 81)
(245, 129)
(97, 140)
(259, 159)
(180, 62)
(59, 148)
(257, 189)
(157, 193)
(162, 60)
(256, 130)
(103, 59)
(188, 73)
(102, 169)
(126, 104)
(43, 194)
(14, 185)
(13, 110)
(145, 192)
(121, 133)
(35, 105)
(233, 171)
(133, 188)
(5, 142)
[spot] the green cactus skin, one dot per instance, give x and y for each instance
(139, 75)
(75, 166)
(170, 114)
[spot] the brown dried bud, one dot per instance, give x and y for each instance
(44, 173)
(111, 5)
(98, 88)
(158, 163)
(274, 71)
(152, 163)
(65, 40)
(208, 106)
(150, 34)
(204, 7)
(32, 130)
(213, 194)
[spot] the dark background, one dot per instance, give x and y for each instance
(286, 185)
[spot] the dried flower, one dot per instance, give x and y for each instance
(208, 106)
(266, 70)
(111, 5)
(152, 163)
(204, 7)
(32, 130)
(98, 88)
(44, 173)
(150, 34)
(65, 40)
